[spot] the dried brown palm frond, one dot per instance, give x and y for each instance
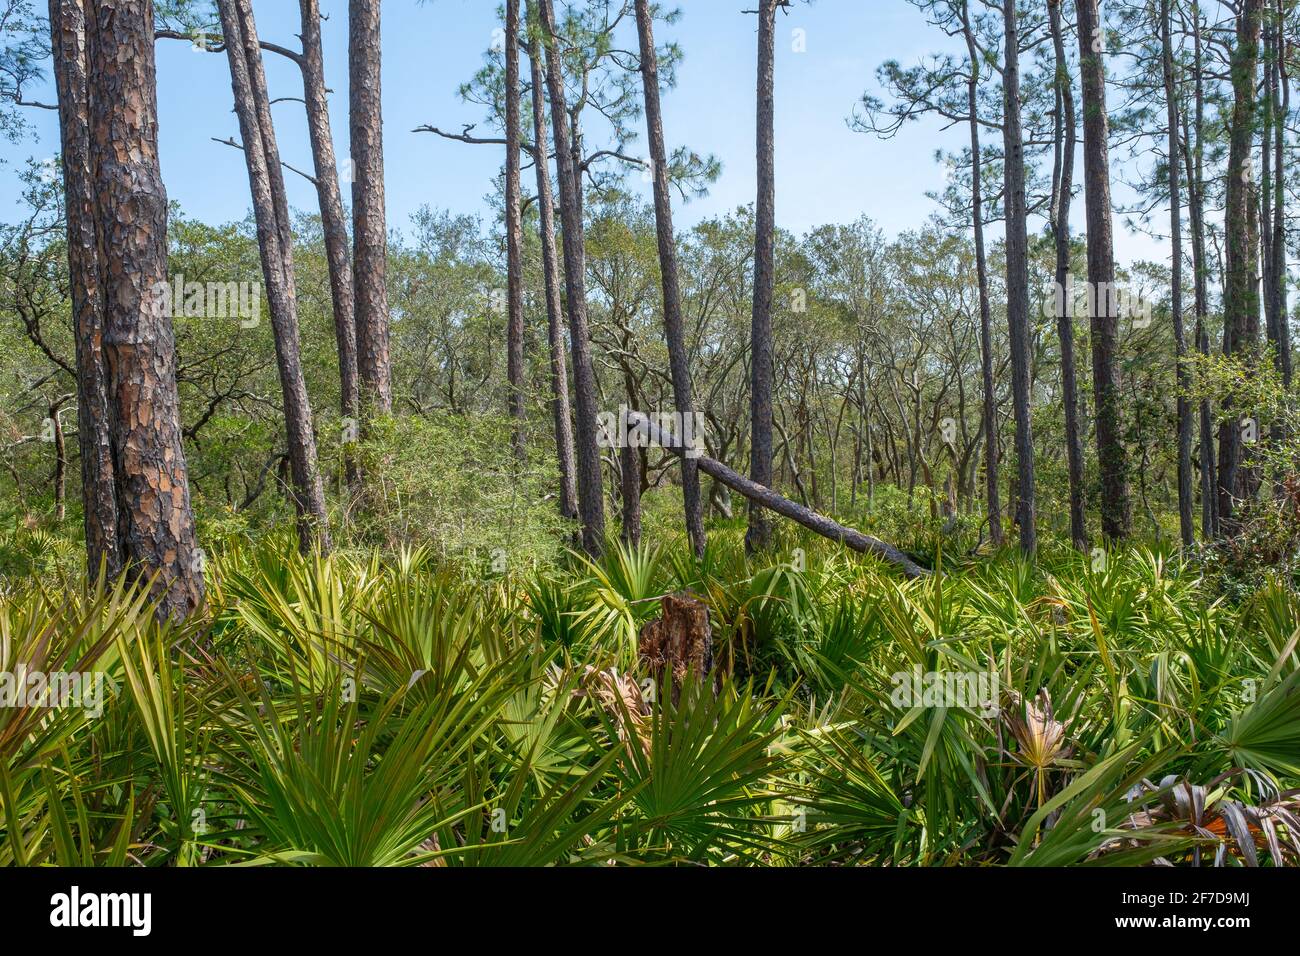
(620, 696)
(1237, 828)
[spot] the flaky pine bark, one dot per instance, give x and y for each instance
(94, 434)
(1017, 252)
(334, 223)
(591, 501)
(155, 521)
(561, 413)
(1186, 525)
(1241, 299)
(992, 490)
(1116, 512)
(1066, 139)
(673, 325)
(275, 244)
(760, 335)
(369, 224)
(514, 237)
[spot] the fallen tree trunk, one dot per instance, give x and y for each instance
(762, 495)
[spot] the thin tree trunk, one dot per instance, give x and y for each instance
(98, 492)
(1186, 523)
(992, 490)
(560, 410)
(514, 238)
(1116, 511)
(673, 326)
(761, 369)
(1067, 138)
(333, 219)
(275, 243)
(591, 501)
(369, 225)
(1241, 299)
(1193, 156)
(155, 521)
(1017, 251)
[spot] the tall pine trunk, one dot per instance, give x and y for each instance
(561, 412)
(334, 224)
(761, 368)
(1194, 164)
(591, 500)
(989, 407)
(1241, 299)
(1116, 511)
(275, 243)
(1066, 141)
(673, 326)
(98, 493)
(514, 237)
(155, 521)
(1186, 524)
(1017, 247)
(369, 224)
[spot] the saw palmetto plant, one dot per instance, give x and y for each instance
(345, 711)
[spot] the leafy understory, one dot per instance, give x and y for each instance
(353, 710)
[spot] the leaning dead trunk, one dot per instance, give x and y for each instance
(769, 499)
(155, 520)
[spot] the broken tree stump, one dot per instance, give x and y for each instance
(678, 642)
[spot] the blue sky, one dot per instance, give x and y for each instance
(825, 172)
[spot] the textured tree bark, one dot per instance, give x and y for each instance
(591, 500)
(1116, 511)
(1193, 161)
(1241, 298)
(560, 409)
(761, 369)
(992, 490)
(514, 237)
(767, 498)
(94, 434)
(155, 522)
(678, 643)
(333, 218)
(1017, 251)
(369, 223)
(1066, 142)
(673, 326)
(1282, 104)
(1186, 524)
(275, 243)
